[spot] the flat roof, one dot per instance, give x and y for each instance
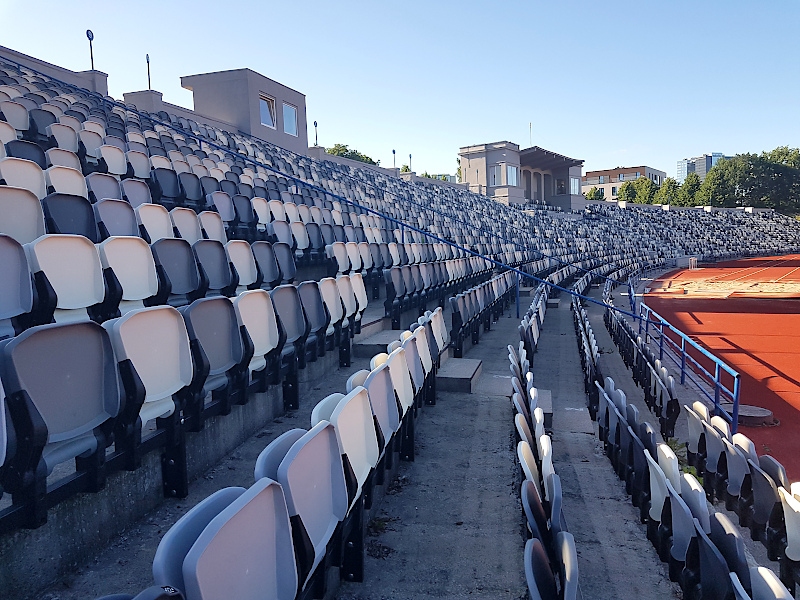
(539, 158)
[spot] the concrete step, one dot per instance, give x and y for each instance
(369, 346)
(458, 375)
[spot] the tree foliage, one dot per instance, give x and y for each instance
(345, 152)
(645, 190)
(458, 171)
(668, 192)
(405, 169)
(686, 196)
(627, 192)
(594, 195)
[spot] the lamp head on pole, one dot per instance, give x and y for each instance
(89, 34)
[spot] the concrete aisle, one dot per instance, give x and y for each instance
(615, 559)
(450, 527)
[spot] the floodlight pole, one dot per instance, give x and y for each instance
(90, 35)
(409, 163)
(316, 137)
(394, 159)
(147, 56)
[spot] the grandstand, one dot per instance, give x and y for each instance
(171, 289)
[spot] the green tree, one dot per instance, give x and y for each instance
(458, 171)
(715, 189)
(645, 190)
(668, 192)
(345, 152)
(594, 195)
(691, 184)
(444, 177)
(627, 192)
(405, 169)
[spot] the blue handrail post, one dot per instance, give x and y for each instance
(518, 294)
(716, 390)
(683, 360)
(661, 342)
(735, 417)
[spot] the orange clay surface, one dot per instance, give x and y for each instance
(746, 312)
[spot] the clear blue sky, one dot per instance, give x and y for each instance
(613, 83)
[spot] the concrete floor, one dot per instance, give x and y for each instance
(450, 524)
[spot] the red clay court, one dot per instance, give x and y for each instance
(747, 312)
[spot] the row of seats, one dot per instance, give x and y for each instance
(305, 513)
(704, 550)
(551, 559)
(648, 371)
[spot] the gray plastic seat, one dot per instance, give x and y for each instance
(69, 374)
(311, 474)
(179, 539)
(135, 192)
(175, 259)
(220, 273)
(729, 542)
(267, 264)
(541, 582)
(285, 257)
(246, 551)
(286, 300)
(212, 324)
(65, 213)
(316, 314)
(156, 343)
(568, 565)
(115, 218)
(767, 586)
(256, 314)
(714, 579)
(535, 515)
(16, 289)
(131, 260)
(102, 186)
(384, 406)
(21, 214)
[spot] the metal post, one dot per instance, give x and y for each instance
(735, 416)
(90, 35)
(518, 295)
(661, 342)
(716, 389)
(316, 137)
(683, 360)
(147, 56)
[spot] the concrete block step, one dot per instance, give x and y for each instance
(369, 346)
(458, 375)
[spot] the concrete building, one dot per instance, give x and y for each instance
(529, 176)
(699, 164)
(609, 180)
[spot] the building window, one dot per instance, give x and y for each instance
(289, 119)
(602, 192)
(602, 179)
(494, 175)
(574, 186)
(613, 191)
(561, 187)
(638, 174)
(267, 111)
(511, 175)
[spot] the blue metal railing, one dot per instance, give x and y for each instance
(678, 351)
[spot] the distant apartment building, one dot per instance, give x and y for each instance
(522, 176)
(699, 164)
(609, 181)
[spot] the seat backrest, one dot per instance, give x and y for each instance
(729, 542)
(541, 582)
(714, 579)
(267, 262)
(102, 186)
(156, 342)
(285, 257)
(179, 539)
(313, 480)
(212, 322)
(246, 551)
(16, 291)
(184, 220)
(270, 458)
(212, 226)
(669, 465)
(333, 302)
(21, 215)
(355, 432)
(658, 488)
(313, 306)
(71, 264)
(767, 585)
(693, 494)
(154, 221)
(66, 213)
(401, 377)
(254, 310)
(381, 397)
(22, 173)
(132, 262)
(210, 255)
(289, 308)
(568, 565)
(69, 373)
(176, 258)
(115, 218)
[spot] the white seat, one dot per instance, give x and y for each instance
(65, 180)
(155, 221)
(155, 341)
(132, 262)
(184, 220)
(254, 310)
(22, 173)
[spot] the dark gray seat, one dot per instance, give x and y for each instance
(65, 213)
(176, 266)
(219, 273)
(285, 257)
(289, 308)
(317, 315)
(267, 264)
(541, 582)
(68, 394)
(220, 357)
(16, 288)
(115, 218)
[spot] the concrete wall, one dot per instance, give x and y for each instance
(234, 97)
(95, 81)
(151, 101)
(476, 162)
